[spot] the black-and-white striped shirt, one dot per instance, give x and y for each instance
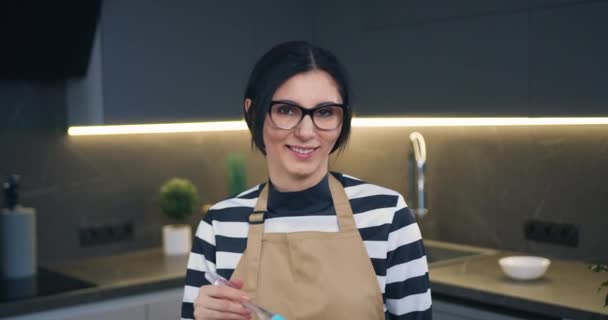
(388, 229)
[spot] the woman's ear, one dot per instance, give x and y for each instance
(247, 104)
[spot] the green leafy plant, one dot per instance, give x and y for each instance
(601, 268)
(237, 177)
(178, 199)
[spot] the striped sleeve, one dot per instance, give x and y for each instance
(407, 292)
(201, 259)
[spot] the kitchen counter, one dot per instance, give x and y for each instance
(115, 276)
(568, 289)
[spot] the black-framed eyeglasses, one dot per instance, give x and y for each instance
(288, 115)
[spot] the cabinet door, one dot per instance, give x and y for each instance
(167, 61)
(159, 62)
(279, 21)
(158, 305)
(167, 305)
(383, 13)
(474, 67)
(447, 310)
(124, 308)
(568, 65)
(476, 58)
(131, 313)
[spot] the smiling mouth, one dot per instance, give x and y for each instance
(302, 151)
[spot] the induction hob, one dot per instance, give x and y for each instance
(45, 283)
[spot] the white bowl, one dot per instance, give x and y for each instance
(524, 267)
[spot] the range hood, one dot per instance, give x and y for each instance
(46, 40)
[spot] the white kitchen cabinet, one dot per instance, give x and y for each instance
(159, 305)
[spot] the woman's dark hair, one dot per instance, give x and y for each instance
(277, 66)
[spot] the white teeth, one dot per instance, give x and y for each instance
(302, 151)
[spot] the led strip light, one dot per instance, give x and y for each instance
(356, 122)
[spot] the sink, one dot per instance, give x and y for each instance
(442, 252)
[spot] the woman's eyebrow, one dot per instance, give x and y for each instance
(327, 103)
(322, 104)
(287, 101)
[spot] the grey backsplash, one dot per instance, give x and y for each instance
(483, 182)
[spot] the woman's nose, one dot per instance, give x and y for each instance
(306, 128)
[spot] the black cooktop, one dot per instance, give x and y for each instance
(45, 283)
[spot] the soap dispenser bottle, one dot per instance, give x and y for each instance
(17, 234)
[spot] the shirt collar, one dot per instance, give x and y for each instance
(311, 199)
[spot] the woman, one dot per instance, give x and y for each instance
(319, 245)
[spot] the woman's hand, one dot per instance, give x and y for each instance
(221, 302)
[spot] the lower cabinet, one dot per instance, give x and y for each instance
(158, 305)
(170, 307)
(448, 310)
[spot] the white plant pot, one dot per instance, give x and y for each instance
(177, 239)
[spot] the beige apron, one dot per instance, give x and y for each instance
(311, 275)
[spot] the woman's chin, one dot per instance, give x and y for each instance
(303, 172)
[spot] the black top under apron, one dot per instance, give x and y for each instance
(315, 200)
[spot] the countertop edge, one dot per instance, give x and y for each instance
(84, 296)
(512, 302)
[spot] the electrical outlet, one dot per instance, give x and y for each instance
(101, 234)
(551, 232)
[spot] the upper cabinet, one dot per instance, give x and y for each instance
(568, 61)
(384, 13)
(166, 61)
(465, 67)
(471, 58)
(429, 65)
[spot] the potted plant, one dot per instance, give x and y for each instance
(601, 268)
(178, 200)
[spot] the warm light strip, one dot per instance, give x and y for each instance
(158, 128)
(451, 122)
(356, 122)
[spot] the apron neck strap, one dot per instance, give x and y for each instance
(344, 213)
(257, 216)
(254, 242)
(340, 200)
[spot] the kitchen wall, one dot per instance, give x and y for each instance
(483, 181)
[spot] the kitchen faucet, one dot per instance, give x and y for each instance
(417, 164)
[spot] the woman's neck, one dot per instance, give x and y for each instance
(291, 183)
